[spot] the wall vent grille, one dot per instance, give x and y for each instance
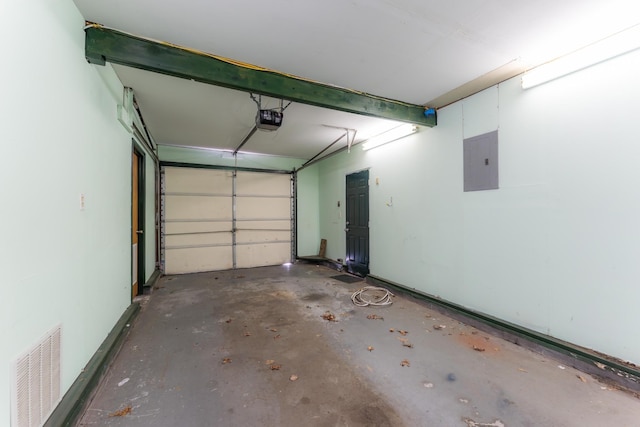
(36, 382)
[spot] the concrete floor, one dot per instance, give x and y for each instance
(220, 349)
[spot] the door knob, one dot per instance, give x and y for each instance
(139, 231)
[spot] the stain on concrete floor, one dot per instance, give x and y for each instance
(251, 348)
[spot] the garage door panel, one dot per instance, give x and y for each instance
(256, 236)
(197, 207)
(264, 184)
(201, 239)
(262, 208)
(199, 215)
(283, 225)
(200, 181)
(192, 260)
(181, 227)
(259, 255)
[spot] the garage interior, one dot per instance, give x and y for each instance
(195, 190)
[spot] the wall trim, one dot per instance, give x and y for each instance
(606, 368)
(81, 391)
(152, 280)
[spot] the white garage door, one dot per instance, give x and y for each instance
(206, 227)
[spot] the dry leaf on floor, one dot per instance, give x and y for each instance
(407, 344)
(247, 334)
(122, 412)
(370, 348)
(269, 362)
(476, 348)
(583, 379)
(438, 327)
(403, 333)
(329, 317)
(275, 367)
(273, 330)
(276, 337)
(375, 317)
(226, 360)
(404, 363)
(293, 377)
(391, 330)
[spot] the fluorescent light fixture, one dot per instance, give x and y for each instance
(390, 135)
(600, 51)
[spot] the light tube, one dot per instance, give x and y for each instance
(600, 51)
(390, 135)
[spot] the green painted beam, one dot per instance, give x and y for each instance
(107, 45)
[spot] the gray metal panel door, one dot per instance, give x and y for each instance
(357, 223)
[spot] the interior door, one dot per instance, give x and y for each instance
(357, 223)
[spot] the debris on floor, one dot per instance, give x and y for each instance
(476, 348)
(375, 317)
(275, 367)
(471, 423)
(403, 333)
(370, 348)
(404, 363)
(123, 382)
(122, 412)
(329, 317)
(439, 327)
(226, 360)
(581, 378)
(293, 377)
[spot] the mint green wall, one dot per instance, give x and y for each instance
(308, 211)
(169, 153)
(59, 138)
(555, 248)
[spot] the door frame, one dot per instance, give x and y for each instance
(136, 151)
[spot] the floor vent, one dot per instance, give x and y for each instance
(36, 382)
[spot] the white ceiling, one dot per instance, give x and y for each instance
(417, 51)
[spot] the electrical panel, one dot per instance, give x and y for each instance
(481, 162)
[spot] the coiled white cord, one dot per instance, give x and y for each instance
(370, 295)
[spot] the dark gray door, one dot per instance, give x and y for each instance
(357, 223)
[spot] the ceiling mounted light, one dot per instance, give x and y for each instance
(600, 51)
(390, 135)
